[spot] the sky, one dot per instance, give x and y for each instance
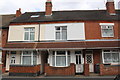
(10, 6)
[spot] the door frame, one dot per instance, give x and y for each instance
(92, 60)
(82, 61)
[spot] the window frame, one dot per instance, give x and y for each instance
(111, 52)
(29, 32)
(67, 54)
(31, 57)
(106, 28)
(61, 32)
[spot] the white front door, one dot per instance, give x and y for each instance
(79, 62)
(89, 60)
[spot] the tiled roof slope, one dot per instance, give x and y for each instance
(83, 15)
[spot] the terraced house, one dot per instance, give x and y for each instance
(4, 23)
(64, 42)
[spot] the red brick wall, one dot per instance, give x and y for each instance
(109, 70)
(93, 30)
(97, 56)
(24, 69)
(60, 71)
(86, 70)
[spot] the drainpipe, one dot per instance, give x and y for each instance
(39, 33)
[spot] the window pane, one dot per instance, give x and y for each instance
(32, 36)
(34, 60)
(107, 32)
(32, 29)
(64, 34)
(60, 52)
(58, 35)
(76, 59)
(60, 61)
(115, 57)
(107, 58)
(26, 37)
(27, 53)
(68, 60)
(26, 29)
(26, 60)
(57, 28)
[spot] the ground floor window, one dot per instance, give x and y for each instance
(29, 58)
(61, 58)
(111, 56)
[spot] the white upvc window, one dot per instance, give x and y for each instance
(61, 58)
(29, 34)
(107, 31)
(61, 32)
(29, 58)
(111, 56)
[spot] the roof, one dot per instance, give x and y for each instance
(5, 20)
(67, 16)
(63, 45)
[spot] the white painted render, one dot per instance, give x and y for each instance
(16, 32)
(75, 31)
(17, 58)
(7, 61)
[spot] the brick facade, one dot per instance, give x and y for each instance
(60, 71)
(86, 70)
(22, 70)
(109, 69)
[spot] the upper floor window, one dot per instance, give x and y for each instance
(107, 29)
(61, 32)
(29, 33)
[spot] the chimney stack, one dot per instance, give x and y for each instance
(48, 8)
(18, 12)
(110, 7)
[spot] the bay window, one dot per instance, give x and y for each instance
(61, 58)
(29, 58)
(111, 56)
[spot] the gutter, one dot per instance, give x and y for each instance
(44, 49)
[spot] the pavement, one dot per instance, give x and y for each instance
(42, 77)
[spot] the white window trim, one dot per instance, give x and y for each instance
(112, 63)
(31, 55)
(29, 33)
(66, 55)
(60, 33)
(112, 31)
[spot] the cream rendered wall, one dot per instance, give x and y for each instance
(17, 58)
(39, 58)
(75, 31)
(47, 32)
(16, 32)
